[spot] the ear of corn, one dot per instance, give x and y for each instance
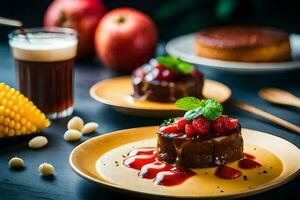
(18, 115)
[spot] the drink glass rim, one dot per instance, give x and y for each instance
(58, 32)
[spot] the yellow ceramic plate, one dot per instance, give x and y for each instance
(117, 92)
(100, 160)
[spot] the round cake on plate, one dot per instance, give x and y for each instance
(244, 43)
(202, 138)
(166, 79)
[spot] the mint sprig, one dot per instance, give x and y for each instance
(175, 63)
(212, 109)
(192, 114)
(189, 103)
(209, 108)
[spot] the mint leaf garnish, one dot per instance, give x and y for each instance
(167, 61)
(212, 109)
(188, 103)
(192, 114)
(209, 108)
(175, 63)
(184, 68)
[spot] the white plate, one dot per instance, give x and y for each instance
(183, 47)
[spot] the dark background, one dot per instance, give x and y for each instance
(176, 17)
(173, 17)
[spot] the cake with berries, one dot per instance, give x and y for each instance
(166, 79)
(202, 138)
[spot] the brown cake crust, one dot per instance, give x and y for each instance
(244, 43)
(200, 152)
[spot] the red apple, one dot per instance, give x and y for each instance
(82, 15)
(125, 39)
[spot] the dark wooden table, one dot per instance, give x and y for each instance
(27, 184)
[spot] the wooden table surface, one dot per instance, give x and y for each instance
(27, 184)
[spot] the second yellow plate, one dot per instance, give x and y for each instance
(117, 92)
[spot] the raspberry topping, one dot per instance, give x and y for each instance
(223, 124)
(197, 74)
(201, 125)
(163, 73)
(169, 129)
(181, 124)
(189, 130)
(233, 123)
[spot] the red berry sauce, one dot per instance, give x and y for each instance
(174, 176)
(249, 156)
(138, 161)
(248, 164)
(146, 161)
(226, 172)
(150, 170)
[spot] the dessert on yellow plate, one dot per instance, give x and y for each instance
(244, 43)
(203, 138)
(18, 115)
(166, 79)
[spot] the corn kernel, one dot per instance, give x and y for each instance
(11, 132)
(11, 124)
(17, 126)
(6, 121)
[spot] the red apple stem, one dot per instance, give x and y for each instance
(121, 19)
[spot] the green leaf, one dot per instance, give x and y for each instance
(188, 103)
(166, 61)
(192, 114)
(184, 67)
(175, 63)
(212, 109)
(209, 108)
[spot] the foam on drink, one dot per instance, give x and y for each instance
(44, 47)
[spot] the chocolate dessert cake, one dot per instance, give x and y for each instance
(200, 142)
(244, 43)
(166, 79)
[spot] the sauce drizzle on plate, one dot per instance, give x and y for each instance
(146, 161)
